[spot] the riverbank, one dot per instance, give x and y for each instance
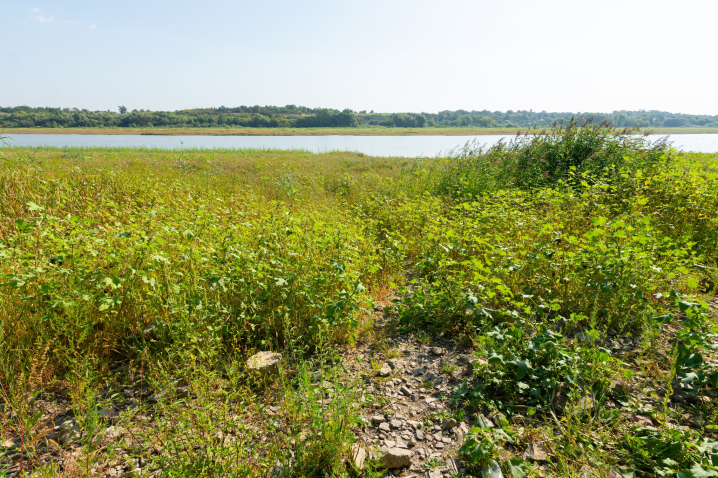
(376, 131)
(424, 316)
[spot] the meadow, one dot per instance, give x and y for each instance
(578, 269)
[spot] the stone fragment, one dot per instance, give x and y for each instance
(396, 458)
(619, 388)
(419, 435)
(394, 363)
(10, 442)
(385, 371)
(438, 351)
(385, 427)
(377, 419)
(535, 452)
(396, 423)
(448, 423)
(452, 465)
(641, 421)
(265, 363)
(405, 390)
(182, 392)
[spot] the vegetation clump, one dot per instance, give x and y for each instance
(578, 270)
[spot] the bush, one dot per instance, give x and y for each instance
(579, 149)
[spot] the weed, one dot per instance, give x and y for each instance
(449, 368)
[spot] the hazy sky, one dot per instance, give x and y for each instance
(386, 56)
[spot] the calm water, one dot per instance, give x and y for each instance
(405, 146)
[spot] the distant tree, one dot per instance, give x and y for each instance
(485, 122)
(122, 109)
(420, 121)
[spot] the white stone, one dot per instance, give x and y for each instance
(266, 363)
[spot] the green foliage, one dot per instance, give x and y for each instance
(301, 116)
(672, 452)
(182, 264)
(578, 152)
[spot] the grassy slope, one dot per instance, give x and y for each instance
(373, 131)
(179, 265)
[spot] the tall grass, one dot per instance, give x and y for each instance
(166, 269)
(537, 159)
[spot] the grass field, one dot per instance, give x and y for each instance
(373, 131)
(578, 273)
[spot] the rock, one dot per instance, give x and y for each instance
(452, 465)
(108, 414)
(448, 423)
(419, 435)
(434, 473)
(619, 388)
(116, 472)
(265, 363)
(396, 458)
(377, 419)
(438, 351)
(641, 421)
(405, 390)
(385, 371)
(182, 392)
(358, 456)
(396, 423)
(394, 363)
(535, 452)
(385, 427)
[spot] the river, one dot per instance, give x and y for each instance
(401, 146)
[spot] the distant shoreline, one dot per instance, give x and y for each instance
(308, 131)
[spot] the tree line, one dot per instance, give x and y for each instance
(292, 116)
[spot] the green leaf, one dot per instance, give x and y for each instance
(482, 422)
(34, 207)
(517, 467)
(685, 305)
(697, 472)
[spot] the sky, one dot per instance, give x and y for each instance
(386, 56)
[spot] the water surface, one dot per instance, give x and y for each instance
(403, 146)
